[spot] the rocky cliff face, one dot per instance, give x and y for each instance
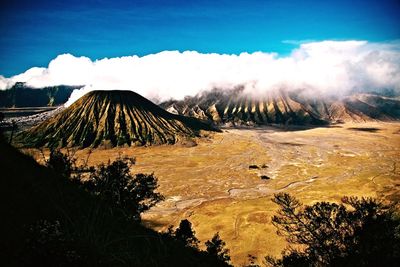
(280, 107)
(112, 118)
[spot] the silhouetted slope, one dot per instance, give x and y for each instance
(112, 117)
(234, 107)
(90, 233)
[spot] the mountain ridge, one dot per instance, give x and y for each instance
(21, 95)
(234, 108)
(113, 118)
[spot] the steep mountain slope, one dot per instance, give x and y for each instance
(112, 118)
(234, 108)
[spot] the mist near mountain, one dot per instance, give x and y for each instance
(325, 68)
(20, 95)
(233, 108)
(112, 118)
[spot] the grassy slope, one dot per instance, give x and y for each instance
(30, 192)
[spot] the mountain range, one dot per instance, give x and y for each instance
(113, 118)
(21, 95)
(233, 107)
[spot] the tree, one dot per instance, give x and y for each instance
(115, 184)
(216, 247)
(60, 163)
(186, 234)
(357, 232)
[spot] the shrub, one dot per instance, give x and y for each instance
(357, 232)
(216, 247)
(60, 163)
(186, 234)
(115, 184)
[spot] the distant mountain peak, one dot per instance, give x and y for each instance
(112, 118)
(234, 107)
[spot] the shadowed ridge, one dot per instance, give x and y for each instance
(234, 107)
(112, 118)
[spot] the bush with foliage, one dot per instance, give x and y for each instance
(185, 234)
(60, 163)
(112, 182)
(216, 247)
(356, 232)
(51, 221)
(115, 184)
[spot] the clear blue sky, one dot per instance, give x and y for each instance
(34, 32)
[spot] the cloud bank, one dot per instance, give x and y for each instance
(327, 67)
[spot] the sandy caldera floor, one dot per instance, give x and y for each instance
(212, 185)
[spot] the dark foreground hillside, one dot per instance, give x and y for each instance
(48, 221)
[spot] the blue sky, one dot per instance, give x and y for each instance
(34, 32)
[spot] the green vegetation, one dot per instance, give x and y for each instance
(61, 163)
(187, 236)
(216, 247)
(53, 220)
(357, 232)
(49, 220)
(113, 183)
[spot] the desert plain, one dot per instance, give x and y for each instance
(225, 183)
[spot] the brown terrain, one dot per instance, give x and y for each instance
(112, 118)
(229, 108)
(226, 182)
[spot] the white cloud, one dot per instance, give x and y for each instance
(327, 67)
